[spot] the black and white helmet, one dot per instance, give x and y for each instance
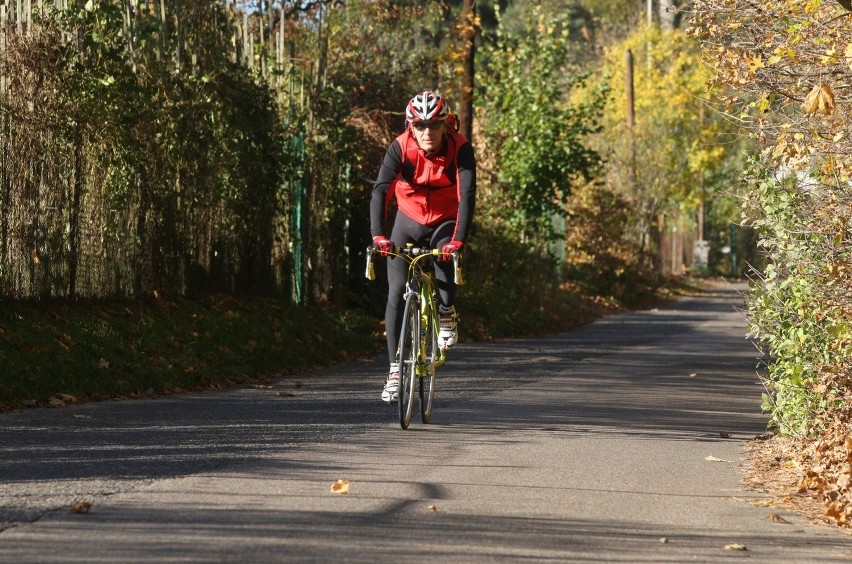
(426, 106)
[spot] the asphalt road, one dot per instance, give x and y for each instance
(589, 446)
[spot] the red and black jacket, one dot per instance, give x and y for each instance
(430, 189)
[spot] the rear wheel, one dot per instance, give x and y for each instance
(427, 382)
(409, 345)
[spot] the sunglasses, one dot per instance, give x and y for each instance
(423, 125)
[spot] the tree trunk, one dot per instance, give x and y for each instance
(74, 214)
(466, 102)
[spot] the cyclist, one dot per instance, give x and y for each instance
(431, 171)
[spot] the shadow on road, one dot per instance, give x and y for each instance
(648, 374)
(681, 373)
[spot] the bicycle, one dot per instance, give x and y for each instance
(419, 354)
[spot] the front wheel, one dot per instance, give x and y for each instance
(433, 353)
(409, 347)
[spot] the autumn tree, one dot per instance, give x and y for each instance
(668, 156)
(469, 25)
(788, 67)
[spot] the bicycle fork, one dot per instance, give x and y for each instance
(423, 364)
(434, 358)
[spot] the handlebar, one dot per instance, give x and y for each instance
(414, 253)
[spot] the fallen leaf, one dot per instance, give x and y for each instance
(340, 487)
(433, 508)
(81, 506)
(693, 375)
(712, 458)
(834, 510)
(775, 518)
(735, 546)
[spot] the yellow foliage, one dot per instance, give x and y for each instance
(801, 42)
(755, 64)
(674, 135)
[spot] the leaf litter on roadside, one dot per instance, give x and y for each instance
(81, 507)
(340, 487)
(776, 518)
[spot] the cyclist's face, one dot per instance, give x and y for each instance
(429, 135)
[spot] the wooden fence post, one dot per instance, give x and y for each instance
(178, 40)
(4, 143)
(128, 28)
(3, 84)
(230, 15)
(279, 54)
(246, 47)
(262, 39)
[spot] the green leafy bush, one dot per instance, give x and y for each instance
(798, 310)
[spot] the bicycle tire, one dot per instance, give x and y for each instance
(427, 382)
(409, 348)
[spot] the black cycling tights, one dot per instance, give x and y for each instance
(406, 230)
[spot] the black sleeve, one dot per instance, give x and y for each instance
(391, 165)
(466, 163)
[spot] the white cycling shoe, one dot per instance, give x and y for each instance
(390, 393)
(448, 333)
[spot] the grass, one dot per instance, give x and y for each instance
(91, 350)
(55, 352)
